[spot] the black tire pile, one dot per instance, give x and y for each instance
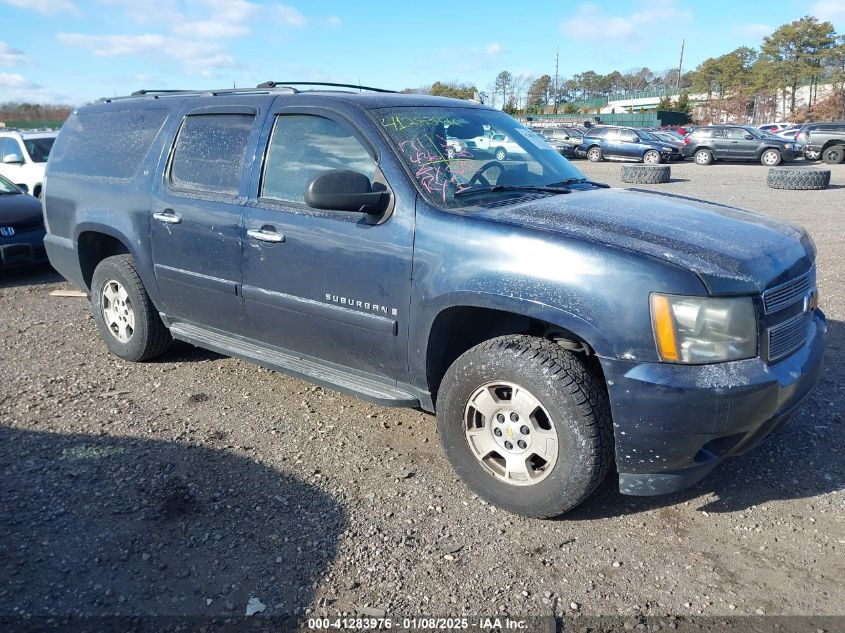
(646, 174)
(798, 179)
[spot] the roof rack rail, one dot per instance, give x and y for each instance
(291, 84)
(141, 93)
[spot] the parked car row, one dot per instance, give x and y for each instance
(818, 140)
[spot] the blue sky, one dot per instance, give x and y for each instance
(77, 50)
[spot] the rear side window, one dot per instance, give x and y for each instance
(209, 153)
(105, 144)
(305, 145)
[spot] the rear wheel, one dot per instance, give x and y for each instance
(771, 158)
(703, 157)
(834, 154)
(651, 157)
(594, 155)
(525, 425)
(128, 322)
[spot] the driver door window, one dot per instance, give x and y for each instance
(305, 145)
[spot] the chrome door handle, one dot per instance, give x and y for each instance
(265, 235)
(168, 217)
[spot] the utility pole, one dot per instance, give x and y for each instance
(554, 94)
(680, 64)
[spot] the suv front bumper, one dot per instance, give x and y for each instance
(674, 423)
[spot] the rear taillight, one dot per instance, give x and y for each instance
(686, 140)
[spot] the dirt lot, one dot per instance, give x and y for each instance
(196, 483)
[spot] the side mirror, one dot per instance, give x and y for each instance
(344, 190)
(749, 137)
(635, 139)
(23, 187)
(13, 159)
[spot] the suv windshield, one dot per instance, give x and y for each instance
(39, 148)
(496, 157)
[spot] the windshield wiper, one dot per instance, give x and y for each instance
(547, 188)
(579, 181)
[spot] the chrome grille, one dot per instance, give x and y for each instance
(784, 295)
(788, 336)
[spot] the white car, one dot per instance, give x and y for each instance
(497, 144)
(23, 157)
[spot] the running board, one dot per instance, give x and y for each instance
(312, 371)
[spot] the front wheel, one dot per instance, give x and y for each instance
(594, 155)
(703, 157)
(501, 154)
(525, 425)
(651, 157)
(834, 154)
(771, 158)
(128, 322)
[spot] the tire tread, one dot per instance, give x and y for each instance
(587, 392)
(158, 338)
(798, 179)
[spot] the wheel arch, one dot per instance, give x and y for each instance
(95, 242)
(457, 328)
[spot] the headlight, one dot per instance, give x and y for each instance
(695, 330)
(788, 145)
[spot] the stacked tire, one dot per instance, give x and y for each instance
(646, 174)
(798, 179)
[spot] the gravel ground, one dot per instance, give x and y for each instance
(197, 484)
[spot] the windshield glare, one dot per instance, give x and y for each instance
(39, 148)
(7, 187)
(450, 150)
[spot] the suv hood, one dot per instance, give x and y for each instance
(732, 251)
(19, 209)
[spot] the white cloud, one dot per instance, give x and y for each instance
(17, 88)
(14, 81)
(211, 29)
(494, 49)
(333, 21)
(148, 11)
(46, 7)
(194, 56)
(11, 56)
(291, 16)
(629, 31)
(115, 45)
(756, 31)
(831, 10)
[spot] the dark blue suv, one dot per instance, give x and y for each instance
(605, 142)
(557, 327)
